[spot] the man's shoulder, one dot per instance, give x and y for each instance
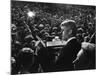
(72, 40)
(73, 44)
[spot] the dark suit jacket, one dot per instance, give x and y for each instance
(68, 55)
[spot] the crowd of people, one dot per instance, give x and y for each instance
(34, 24)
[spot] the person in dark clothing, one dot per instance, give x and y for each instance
(70, 50)
(24, 61)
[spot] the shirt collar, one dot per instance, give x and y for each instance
(70, 39)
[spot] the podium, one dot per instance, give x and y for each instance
(56, 44)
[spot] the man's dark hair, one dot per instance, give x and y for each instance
(25, 56)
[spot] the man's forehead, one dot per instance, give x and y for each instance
(64, 27)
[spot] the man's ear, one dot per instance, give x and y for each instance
(70, 32)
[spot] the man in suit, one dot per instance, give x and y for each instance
(70, 50)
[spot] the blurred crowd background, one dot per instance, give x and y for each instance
(29, 19)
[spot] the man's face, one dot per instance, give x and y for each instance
(65, 32)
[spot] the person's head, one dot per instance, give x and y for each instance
(26, 57)
(80, 31)
(69, 29)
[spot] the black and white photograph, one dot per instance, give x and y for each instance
(52, 37)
